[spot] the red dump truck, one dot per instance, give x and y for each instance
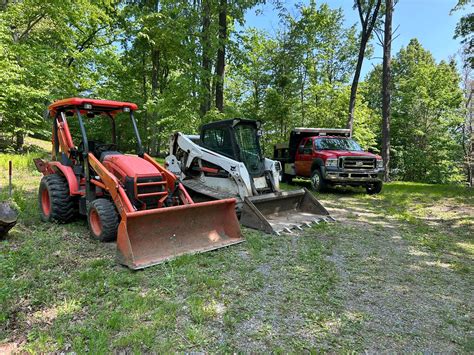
(329, 157)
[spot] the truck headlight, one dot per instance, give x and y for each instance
(379, 163)
(331, 162)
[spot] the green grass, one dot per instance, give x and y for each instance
(61, 291)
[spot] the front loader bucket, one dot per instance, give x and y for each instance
(282, 211)
(147, 238)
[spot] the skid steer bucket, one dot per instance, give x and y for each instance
(147, 238)
(282, 211)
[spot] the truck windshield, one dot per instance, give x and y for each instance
(247, 140)
(337, 144)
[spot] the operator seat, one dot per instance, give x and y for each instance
(108, 152)
(98, 153)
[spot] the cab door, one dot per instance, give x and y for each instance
(304, 157)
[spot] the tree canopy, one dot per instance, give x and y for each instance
(190, 62)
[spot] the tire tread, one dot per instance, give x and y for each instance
(62, 204)
(108, 218)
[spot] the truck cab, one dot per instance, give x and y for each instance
(329, 157)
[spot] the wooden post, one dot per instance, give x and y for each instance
(10, 178)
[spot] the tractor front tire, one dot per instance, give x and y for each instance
(103, 220)
(317, 182)
(375, 188)
(55, 202)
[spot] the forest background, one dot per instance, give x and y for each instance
(186, 63)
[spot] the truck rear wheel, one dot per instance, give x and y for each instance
(54, 200)
(317, 182)
(287, 178)
(103, 220)
(375, 188)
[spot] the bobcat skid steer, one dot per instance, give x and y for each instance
(226, 161)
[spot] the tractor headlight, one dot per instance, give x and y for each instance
(379, 163)
(331, 162)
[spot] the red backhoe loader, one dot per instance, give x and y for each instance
(130, 198)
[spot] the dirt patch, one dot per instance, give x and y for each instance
(410, 298)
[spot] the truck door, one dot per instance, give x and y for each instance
(304, 157)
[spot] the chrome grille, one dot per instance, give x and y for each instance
(357, 163)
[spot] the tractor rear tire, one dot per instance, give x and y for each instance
(55, 202)
(103, 220)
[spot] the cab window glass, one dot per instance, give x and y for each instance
(218, 139)
(308, 147)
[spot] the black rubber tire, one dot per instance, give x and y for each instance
(61, 204)
(286, 178)
(108, 220)
(374, 189)
(317, 182)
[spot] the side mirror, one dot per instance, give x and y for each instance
(301, 149)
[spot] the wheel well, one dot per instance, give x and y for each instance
(317, 164)
(68, 173)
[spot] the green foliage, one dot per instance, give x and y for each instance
(49, 50)
(298, 78)
(426, 116)
(465, 30)
(153, 53)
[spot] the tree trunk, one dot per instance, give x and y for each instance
(155, 67)
(145, 99)
(355, 82)
(220, 68)
(256, 96)
(386, 82)
(206, 61)
(20, 140)
(367, 20)
(303, 111)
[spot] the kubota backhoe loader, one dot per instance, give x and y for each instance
(225, 161)
(128, 197)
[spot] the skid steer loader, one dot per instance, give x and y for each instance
(225, 161)
(130, 198)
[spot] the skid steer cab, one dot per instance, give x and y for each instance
(130, 198)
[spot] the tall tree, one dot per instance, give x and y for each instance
(220, 66)
(465, 30)
(206, 57)
(467, 127)
(386, 82)
(368, 14)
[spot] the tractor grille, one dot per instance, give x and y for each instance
(148, 189)
(147, 192)
(357, 163)
(145, 189)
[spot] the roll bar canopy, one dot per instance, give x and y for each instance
(108, 106)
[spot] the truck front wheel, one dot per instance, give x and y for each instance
(374, 188)
(317, 182)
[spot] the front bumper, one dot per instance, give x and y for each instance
(352, 177)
